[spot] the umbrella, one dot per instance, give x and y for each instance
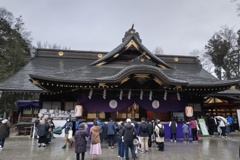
(222, 118)
(57, 130)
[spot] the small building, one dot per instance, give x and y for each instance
(129, 81)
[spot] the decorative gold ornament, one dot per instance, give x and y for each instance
(132, 42)
(35, 82)
(175, 59)
(100, 55)
(102, 63)
(142, 76)
(116, 55)
(158, 81)
(125, 80)
(101, 84)
(142, 59)
(60, 53)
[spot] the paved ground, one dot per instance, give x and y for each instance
(24, 148)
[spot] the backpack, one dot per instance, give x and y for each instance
(161, 131)
(144, 127)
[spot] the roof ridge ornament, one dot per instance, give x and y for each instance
(131, 32)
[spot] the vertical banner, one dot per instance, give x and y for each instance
(203, 127)
(238, 115)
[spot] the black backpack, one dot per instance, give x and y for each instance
(161, 131)
(144, 127)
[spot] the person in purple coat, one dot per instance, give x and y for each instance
(80, 141)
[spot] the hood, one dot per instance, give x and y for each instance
(128, 126)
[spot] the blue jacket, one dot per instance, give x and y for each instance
(142, 133)
(110, 128)
(68, 125)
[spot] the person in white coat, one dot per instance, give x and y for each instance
(222, 125)
(159, 140)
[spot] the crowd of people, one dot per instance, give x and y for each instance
(127, 135)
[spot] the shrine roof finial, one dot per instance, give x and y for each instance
(130, 32)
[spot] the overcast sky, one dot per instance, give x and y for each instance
(177, 26)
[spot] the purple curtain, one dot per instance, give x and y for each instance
(97, 103)
(28, 104)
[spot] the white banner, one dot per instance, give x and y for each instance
(238, 115)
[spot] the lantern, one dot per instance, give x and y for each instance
(189, 111)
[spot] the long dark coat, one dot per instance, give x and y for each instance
(43, 129)
(80, 140)
(4, 131)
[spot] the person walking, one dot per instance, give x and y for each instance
(4, 132)
(67, 126)
(193, 125)
(173, 130)
(95, 147)
(129, 134)
(159, 138)
(110, 133)
(120, 142)
(80, 141)
(185, 132)
(223, 125)
(43, 127)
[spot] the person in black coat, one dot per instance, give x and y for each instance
(42, 132)
(80, 141)
(4, 132)
(129, 134)
(120, 142)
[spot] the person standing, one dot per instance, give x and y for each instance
(185, 132)
(129, 133)
(4, 132)
(120, 142)
(36, 123)
(67, 126)
(230, 121)
(211, 125)
(159, 139)
(95, 147)
(111, 133)
(81, 142)
(173, 130)
(193, 125)
(143, 133)
(150, 126)
(42, 132)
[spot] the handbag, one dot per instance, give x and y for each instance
(70, 134)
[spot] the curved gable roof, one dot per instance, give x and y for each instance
(133, 69)
(131, 39)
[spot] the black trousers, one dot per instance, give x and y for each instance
(2, 142)
(160, 146)
(78, 156)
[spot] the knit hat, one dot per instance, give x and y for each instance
(128, 120)
(81, 126)
(4, 121)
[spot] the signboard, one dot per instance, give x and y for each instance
(203, 127)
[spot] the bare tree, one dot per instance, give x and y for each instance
(51, 46)
(205, 60)
(238, 5)
(158, 51)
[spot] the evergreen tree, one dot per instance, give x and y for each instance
(14, 48)
(223, 50)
